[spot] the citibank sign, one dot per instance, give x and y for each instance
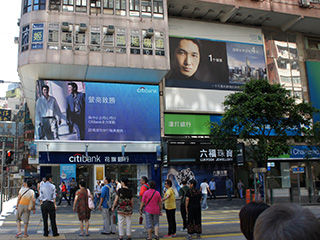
(79, 158)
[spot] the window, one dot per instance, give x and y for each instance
(25, 38)
(95, 6)
(95, 38)
(159, 43)
(146, 8)
(80, 39)
(67, 5)
(147, 42)
(26, 6)
(134, 8)
(81, 5)
(121, 6)
(121, 41)
(39, 5)
(54, 5)
(134, 41)
(108, 7)
(66, 38)
(108, 40)
(158, 8)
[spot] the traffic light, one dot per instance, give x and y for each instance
(9, 157)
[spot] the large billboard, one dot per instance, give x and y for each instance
(216, 59)
(97, 111)
(313, 71)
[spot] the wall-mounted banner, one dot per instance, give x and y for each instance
(5, 114)
(313, 71)
(97, 111)
(96, 158)
(67, 172)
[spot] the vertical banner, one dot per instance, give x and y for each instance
(67, 172)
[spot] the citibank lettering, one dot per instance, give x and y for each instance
(79, 158)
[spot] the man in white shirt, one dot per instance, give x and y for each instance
(212, 187)
(48, 116)
(97, 193)
(204, 188)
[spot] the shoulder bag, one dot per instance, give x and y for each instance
(90, 202)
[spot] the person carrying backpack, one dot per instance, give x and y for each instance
(182, 193)
(107, 198)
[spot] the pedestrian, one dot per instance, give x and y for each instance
(80, 205)
(48, 206)
(124, 204)
(97, 193)
(240, 187)
(229, 186)
(170, 206)
(73, 189)
(63, 191)
(183, 193)
(212, 187)
(287, 221)
(193, 209)
(109, 226)
(151, 202)
(118, 186)
(26, 195)
(248, 216)
(204, 188)
(143, 189)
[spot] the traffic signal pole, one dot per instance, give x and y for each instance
(2, 176)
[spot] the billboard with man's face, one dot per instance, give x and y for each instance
(210, 57)
(97, 111)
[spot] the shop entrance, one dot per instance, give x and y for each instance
(120, 171)
(84, 172)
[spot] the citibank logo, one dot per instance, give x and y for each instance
(146, 90)
(79, 158)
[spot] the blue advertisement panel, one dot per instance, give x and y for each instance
(75, 158)
(313, 72)
(96, 111)
(67, 172)
(218, 171)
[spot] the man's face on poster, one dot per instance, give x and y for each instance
(45, 92)
(188, 57)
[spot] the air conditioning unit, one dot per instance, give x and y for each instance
(110, 29)
(16, 40)
(150, 32)
(304, 3)
(65, 26)
(83, 27)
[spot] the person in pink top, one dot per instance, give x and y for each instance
(151, 201)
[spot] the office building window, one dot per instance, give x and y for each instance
(25, 38)
(146, 8)
(147, 41)
(121, 41)
(54, 5)
(95, 6)
(67, 5)
(27, 6)
(66, 38)
(39, 5)
(108, 6)
(134, 7)
(81, 5)
(80, 38)
(159, 43)
(121, 6)
(95, 38)
(158, 8)
(134, 41)
(108, 40)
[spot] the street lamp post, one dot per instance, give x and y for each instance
(2, 176)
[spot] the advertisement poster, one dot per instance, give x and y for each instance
(313, 71)
(176, 173)
(67, 172)
(96, 111)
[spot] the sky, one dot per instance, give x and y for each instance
(9, 14)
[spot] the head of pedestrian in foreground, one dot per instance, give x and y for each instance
(287, 221)
(248, 216)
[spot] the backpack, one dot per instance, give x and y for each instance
(112, 196)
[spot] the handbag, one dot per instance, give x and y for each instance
(32, 205)
(90, 202)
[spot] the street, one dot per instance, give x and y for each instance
(219, 222)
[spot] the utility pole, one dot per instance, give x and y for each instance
(2, 176)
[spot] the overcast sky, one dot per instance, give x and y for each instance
(9, 14)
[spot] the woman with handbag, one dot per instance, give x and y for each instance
(124, 204)
(170, 206)
(81, 205)
(152, 201)
(25, 203)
